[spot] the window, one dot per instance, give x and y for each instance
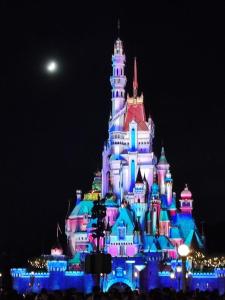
(122, 250)
(122, 232)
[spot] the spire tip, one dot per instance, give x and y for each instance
(135, 81)
(118, 27)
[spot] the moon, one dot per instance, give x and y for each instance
(52, 66)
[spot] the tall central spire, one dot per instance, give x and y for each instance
(135, 81)
(118, 79)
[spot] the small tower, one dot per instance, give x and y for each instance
(139, 188)
(186, 201)
(139, 206)
(164, 223)
(173, 208)
(118, 79)
(162, 168)
(169, 188)
(57, 249)
(78, 196)
(155, 207)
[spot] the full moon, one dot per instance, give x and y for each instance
(52, 66)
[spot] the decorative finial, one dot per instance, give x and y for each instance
(135, 81)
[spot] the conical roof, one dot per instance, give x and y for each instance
(139, 178)
(162, 159)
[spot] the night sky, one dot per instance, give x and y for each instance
(53, 126)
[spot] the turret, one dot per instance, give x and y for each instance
(173, 208)
(162, 168)
(155, 206)
(118, 79)
(186, 201)
(169, 188)
(139, 206)
(57, 249)
(139, 188)
(78, 196)
(164, 223)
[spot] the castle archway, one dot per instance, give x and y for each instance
(120, 284)
(120, 287)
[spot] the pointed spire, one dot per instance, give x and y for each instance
(139, 178)
(162, 160)
(118, 27)
(135, 81)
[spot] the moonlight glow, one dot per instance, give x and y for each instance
(52, 67)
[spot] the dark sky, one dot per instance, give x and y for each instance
(53, 127)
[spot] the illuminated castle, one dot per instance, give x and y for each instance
(142, 214)
(144, 222)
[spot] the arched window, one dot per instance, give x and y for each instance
(121, 231)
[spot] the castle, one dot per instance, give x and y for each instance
(145, 223)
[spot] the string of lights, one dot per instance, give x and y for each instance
(200, 260)
(38, 262)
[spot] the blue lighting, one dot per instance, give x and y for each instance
(145, 226)
(133, 175)
(133, 139)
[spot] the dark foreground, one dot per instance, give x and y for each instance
(165, 294)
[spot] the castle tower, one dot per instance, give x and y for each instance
(111, 171)
(139, 188)
(164, 223)
(139, 206)
(155, 207)
(162, 168)
(129, 146)
(186, 201)
(138, 135)
(118, 81)
(169, 188)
